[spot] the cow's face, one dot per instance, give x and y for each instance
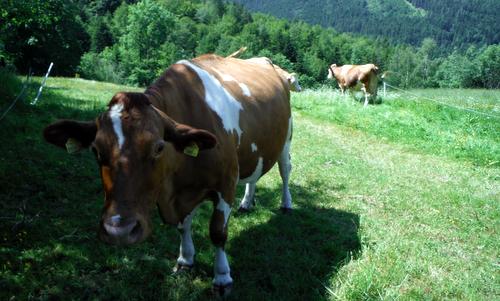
(137, 149)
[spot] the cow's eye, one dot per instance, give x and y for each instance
(158, 149)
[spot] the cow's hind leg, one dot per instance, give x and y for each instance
(285, 167)
(222, 282)
(185, 261)
(248, 199)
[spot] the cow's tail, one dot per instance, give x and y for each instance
(237, 53)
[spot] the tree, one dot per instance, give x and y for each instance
(149, 30)
(489, 62)
(37, 32)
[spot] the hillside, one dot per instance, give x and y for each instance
(453, 24)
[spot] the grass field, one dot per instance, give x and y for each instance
(396, 201)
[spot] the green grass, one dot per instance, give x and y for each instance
(390, 204)
(419, 123)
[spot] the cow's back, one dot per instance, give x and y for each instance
(265, 109)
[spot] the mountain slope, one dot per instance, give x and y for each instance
(453, 24)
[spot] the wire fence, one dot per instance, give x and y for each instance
(19, 96)
(24, 89)
(442, 103)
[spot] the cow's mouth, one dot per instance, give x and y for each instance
(124, 233)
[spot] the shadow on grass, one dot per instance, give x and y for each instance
(292, 256)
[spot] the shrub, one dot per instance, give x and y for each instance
(101, 67)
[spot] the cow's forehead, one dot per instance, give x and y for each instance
(126, 126)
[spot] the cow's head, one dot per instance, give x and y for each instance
(331, 73)
(138, 149)
(294, 82)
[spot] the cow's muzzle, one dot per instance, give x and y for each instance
(121, 231)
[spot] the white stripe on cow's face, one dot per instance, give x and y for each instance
(115, 113)
(219, 99)
(224, 207)
(255, 175)
(254, 147)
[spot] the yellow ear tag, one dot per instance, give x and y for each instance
(192, 149)
(73, 146)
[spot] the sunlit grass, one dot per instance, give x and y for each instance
(386, 207)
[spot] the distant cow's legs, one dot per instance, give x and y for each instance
(186, 252)
(342, 90)
(363, 88)
(285, 167)
(249, 199)
(222, 281)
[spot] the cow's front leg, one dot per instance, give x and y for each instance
(222, 282)
(185, 261)
(248, 199)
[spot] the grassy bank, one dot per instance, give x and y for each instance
(389, 204)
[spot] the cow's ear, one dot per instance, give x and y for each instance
(189, 140)
(71, 135)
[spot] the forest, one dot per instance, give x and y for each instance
(133, 42)
(453, 24)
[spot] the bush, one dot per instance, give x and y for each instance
(101, 67)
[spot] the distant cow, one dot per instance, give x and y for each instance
(203, 127)
(356, 77)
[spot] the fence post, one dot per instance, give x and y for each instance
(43, 84)
(384, 89)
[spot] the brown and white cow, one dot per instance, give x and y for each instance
(355, 78)
(203, 127)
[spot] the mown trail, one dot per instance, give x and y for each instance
(428, 225)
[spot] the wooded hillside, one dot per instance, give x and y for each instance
(452, 24)
(133, 42)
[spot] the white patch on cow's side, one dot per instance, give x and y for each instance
(219, 99)
(245, 89)
(225, 77)
(228, 78)
(224, 207)
(115, 113)
(254, 147)
(221, 269)
(186, 249)
(255, 175)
